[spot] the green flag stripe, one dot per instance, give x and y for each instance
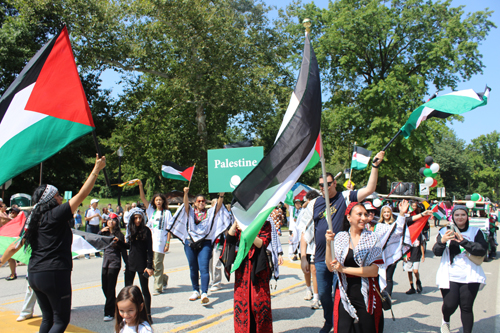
(172, 176)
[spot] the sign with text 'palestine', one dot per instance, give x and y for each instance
(228, 167)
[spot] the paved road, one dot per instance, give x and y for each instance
(172, 312)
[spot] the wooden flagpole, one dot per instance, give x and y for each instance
(189, 184)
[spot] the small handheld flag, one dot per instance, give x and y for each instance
(360, 158)
(174, 171)
(129, 183)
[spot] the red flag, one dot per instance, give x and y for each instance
(417, 227)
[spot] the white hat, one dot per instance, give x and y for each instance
(93, 201)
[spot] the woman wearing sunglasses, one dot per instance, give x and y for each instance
(197, 227)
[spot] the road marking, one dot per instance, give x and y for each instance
(210, 323)
(175, 270)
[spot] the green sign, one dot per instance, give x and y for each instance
(68, 195)
(228, 167)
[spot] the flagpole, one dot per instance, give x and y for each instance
(325, 190)
(100, 155)
(194, 166)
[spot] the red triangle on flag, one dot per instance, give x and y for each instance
(188, 173)
(58, 91)
(14, 227)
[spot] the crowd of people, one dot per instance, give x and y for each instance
(348, 263)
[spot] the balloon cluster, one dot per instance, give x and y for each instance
(430, 171)
(476, 197)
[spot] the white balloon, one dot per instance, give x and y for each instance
(377, 202)
(470, 204)
(434, 167)
(429, 181)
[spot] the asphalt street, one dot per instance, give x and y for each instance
(173, 312)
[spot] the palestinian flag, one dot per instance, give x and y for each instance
(457, 102)
(416, 228)
(439, 212)
(269, 182)
(316, 155)
(175, 171)
(360, 158)
(43, 110)
(83, 242)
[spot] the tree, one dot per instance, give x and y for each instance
(378, 60)
(484, 156)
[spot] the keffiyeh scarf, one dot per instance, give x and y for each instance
(366, 252)
(48, 194)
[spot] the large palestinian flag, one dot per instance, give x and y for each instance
(43, 110)
(175, 171)
(457, 102)
(83, 242)
(269, 182)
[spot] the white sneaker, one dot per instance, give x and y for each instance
(108, 318)
(204, 298)
(216, 287)
(445, 328)
(309, 295)
(21, 317)
(194, 296)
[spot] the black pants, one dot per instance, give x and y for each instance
(389, 272)
(366, 323)
(129, 280)
(462, 294)
(53, 293)
(109, 277)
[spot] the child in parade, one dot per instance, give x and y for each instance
(111, 264)
(131, 315)
(159, 217)
(140, 259)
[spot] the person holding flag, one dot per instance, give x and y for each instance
(159, 216)
(197, 228)
(315, 213)
(50, 238)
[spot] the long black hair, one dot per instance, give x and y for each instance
(137, 233)
(164, 206)
(37, 214)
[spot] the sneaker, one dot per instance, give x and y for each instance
(411, 291)
(11, 277)
(165, 281)
(87, 256)
(419, 286)
(316, 304)
(445, 328)
(156, 292)
(216, 287)
(294, 258)
(108, 318)
(204, 298)
(194, 296)
(309, 295)
(21, 317)
(98, 255)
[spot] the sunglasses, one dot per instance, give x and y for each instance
(201, 201)
(322, 184)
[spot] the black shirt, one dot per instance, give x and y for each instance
(113, 254)
(51, 250)
(140, 255)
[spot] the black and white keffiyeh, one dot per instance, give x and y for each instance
(366, 252)
(49, 192)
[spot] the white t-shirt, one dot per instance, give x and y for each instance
(154, 223)
(90, 212)
(143, 328)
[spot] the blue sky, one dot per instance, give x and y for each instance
(480, 121)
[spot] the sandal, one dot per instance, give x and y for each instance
(11, 277)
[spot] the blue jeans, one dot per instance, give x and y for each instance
(199, 262)
(325, 280)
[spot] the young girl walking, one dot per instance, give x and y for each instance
(130, 312)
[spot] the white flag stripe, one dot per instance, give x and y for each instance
(81, 246)
(362, 158)
(423, 116)
(264, 202)
(16, 118)
(466, 93)
(169, 169)
(292, 107)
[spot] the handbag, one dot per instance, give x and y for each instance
(386, 301)
(196, 246)
(478, 260)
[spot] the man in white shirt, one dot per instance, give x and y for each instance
(92, 220)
